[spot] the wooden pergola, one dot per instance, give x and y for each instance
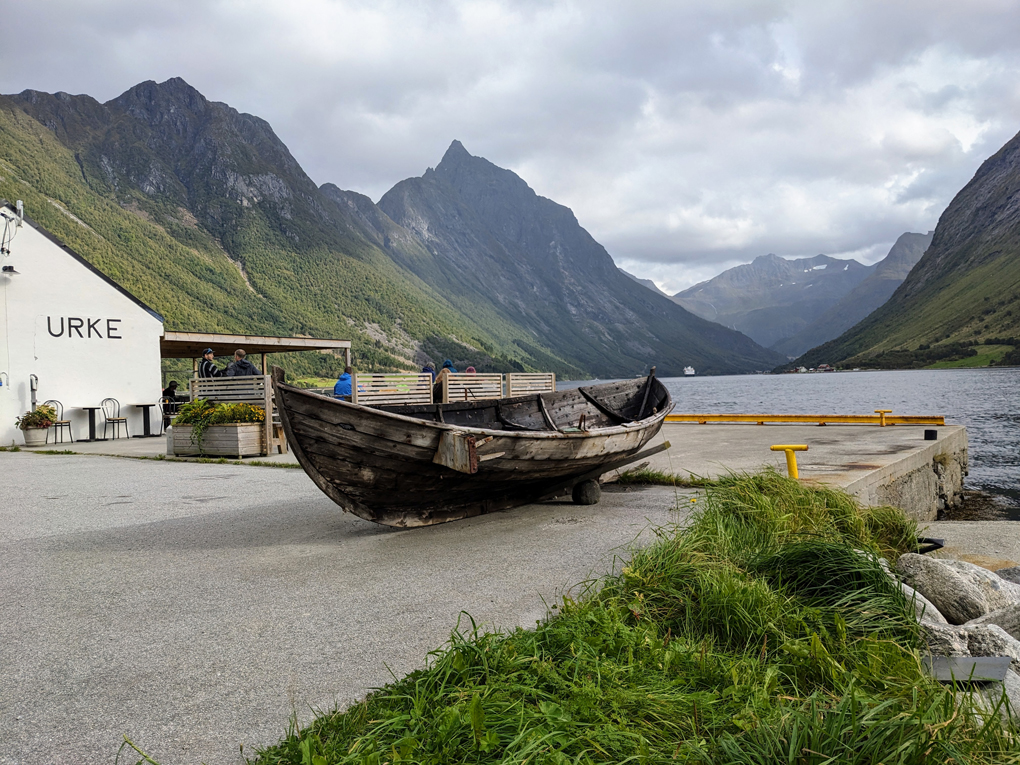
(189, 345)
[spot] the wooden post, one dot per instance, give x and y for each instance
(194, 368)
(268, 424)
(354, 384)
(265, 369)
(347, 357)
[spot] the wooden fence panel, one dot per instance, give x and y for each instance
(522, 384)
(461, 386)
(392, 389)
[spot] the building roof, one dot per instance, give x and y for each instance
(189, 345)
(80, 259)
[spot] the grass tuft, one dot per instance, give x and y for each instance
(764, 631)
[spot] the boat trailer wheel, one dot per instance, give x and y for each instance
(586, 493)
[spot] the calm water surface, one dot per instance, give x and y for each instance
(987, 401)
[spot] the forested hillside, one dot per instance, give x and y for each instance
(204, 214)
(965, 290)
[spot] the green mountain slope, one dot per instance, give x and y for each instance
(204, 214)
(866, 297)
(964, 290)
(497, 246)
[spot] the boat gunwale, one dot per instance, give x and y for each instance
(530, 434)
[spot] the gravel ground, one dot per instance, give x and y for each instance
(195, 608)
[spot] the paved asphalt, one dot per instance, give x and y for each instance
(196, 607)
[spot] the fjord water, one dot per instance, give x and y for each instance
(986, 401)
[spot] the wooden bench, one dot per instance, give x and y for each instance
(256, 390)
(523, 383)
(461, 386)
(392, 389)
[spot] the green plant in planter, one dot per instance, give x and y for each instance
(202, 413)
(41, 417)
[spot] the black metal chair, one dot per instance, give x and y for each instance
(167, 409)
(60, 423)
(111, 415)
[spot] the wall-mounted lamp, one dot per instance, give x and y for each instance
(10, 270)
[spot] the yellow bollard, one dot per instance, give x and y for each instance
(881, 416)
(791, 458)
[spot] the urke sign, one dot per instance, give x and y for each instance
(85, 328)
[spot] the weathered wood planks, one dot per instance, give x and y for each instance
(429, 463)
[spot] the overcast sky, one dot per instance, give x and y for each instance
(687, 137)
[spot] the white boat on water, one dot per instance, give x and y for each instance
(688, 371)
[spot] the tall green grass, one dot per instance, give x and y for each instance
(763, 632)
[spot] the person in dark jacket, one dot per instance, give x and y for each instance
(240, 366)
(342, 389)
(428, 368)
(170, 391)
(207, 368)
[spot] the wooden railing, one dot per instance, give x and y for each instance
(256, 390)
(461, 386)
(522, 383)
(384, 389)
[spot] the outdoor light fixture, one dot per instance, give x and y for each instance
(9, 270)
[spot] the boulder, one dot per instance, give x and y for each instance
(924, 610)
(998, 591)
(1008, 618)
(1010, 574)
(988, 696)
(958, 598)
(945, 639)
(992, 640)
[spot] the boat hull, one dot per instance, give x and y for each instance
(382, 465)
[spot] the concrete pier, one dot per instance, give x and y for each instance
(893, 465)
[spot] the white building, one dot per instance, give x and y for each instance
(67, 325)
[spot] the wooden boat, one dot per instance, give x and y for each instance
(421, 465)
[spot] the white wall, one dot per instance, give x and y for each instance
(83, 338)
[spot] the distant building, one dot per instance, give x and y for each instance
(78, 332)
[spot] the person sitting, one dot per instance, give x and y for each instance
(207, 368)
(470, 371)
(240, 366)
(342, 389)
(168, 402)
(431, 370)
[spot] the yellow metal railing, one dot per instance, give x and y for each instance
(881, 419)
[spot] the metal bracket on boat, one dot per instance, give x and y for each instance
(459, 451)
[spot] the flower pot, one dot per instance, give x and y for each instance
(233, 440)
(35, 436)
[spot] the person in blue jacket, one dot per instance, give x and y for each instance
(342, 389)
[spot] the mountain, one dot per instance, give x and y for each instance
(496, 245)
(964, 290)
(866, 297)
(203, 212)
(646, 282)
(772, 298)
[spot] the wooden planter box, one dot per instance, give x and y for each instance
(235, 440)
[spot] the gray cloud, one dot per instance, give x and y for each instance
(687, 137)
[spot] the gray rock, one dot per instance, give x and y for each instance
(956, 597)
(992, 640)
(987, 697)
(998, 592)
(945, 639)
(924, 610)
(1010, 574)
(1008, 618)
